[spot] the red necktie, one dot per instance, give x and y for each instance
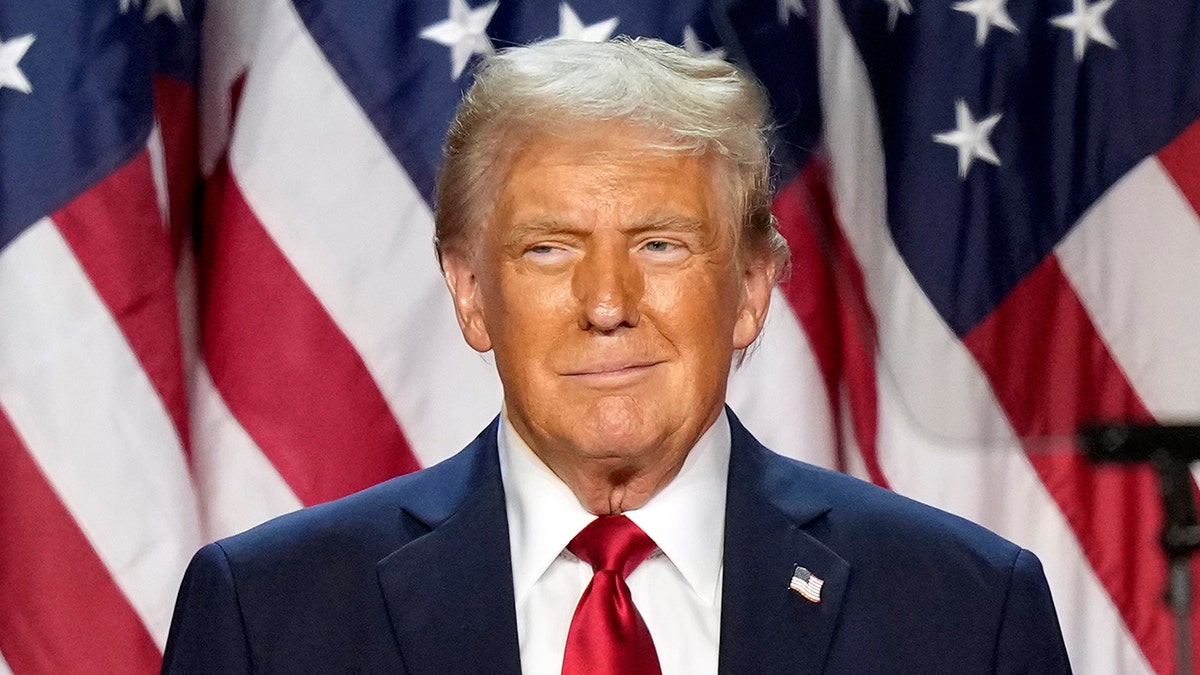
(608, 636)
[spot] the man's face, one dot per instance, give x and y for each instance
(608, 286)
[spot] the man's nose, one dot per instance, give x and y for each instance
(608, 285)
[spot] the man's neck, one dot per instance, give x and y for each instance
(606, 490)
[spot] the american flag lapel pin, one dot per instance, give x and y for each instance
(807, 584)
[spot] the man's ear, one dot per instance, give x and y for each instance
(459, 271)
(758, 280)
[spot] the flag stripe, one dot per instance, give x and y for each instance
(175, 110)
(119, 468)
(1051, 373)
(1133, 262)
(827, 292)
(286, 371)
(1180, 158)
(115, 232)
(61, 612)
(158, 172)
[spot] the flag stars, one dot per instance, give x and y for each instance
(895, 9)
(786, 9)
(1086, 23)
(465, 33)
(11, 53)
(971, 138)
(988, 14)
(692, 44)
(571, 28)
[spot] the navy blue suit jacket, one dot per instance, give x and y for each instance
(414, 576)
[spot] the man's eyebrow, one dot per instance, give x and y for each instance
(668, 223)
(536, 227)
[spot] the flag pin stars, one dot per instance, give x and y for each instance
(807, 584)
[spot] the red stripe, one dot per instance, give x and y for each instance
(828, 295)
(175, 108)
(60, 611)
(287, 372)
(116, 233)
(1051, 371)
(1181, 159)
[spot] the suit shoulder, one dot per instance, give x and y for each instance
(304, 588)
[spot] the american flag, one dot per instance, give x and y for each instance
(806, 584)
(992, 206)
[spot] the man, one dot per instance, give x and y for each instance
(604, 229)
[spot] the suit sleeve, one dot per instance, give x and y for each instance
(1030, 640)
(207, 632)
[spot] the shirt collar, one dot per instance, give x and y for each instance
(686, 518)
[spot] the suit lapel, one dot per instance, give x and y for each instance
(766, 627)
(449, 592)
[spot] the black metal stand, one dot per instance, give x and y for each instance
(1170, 450)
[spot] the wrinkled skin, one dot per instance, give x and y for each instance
(608, 284)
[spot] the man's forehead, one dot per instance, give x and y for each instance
(563, 182)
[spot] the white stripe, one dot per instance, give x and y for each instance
(942, 438)
(237, 483)
(779, 394)
(93, 422)
(346, 215)
(158, 170)
(4, 669)
(1134, 261)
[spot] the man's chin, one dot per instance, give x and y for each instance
(622, 428)
(626, 429)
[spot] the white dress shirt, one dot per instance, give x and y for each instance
(677, 589)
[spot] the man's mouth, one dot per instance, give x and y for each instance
(612, 373)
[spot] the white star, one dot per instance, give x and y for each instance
(786, 8)
(11, 53)
(465, 33)
(695, 47)
(571, 28)
(124, 6)
(987, 13)
(971, 138)
(895, 9)
(171, 8)
(1087, 23)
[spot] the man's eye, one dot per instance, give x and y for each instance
(665, 250)
(547, 254)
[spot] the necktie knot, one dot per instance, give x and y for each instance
(613, 544)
